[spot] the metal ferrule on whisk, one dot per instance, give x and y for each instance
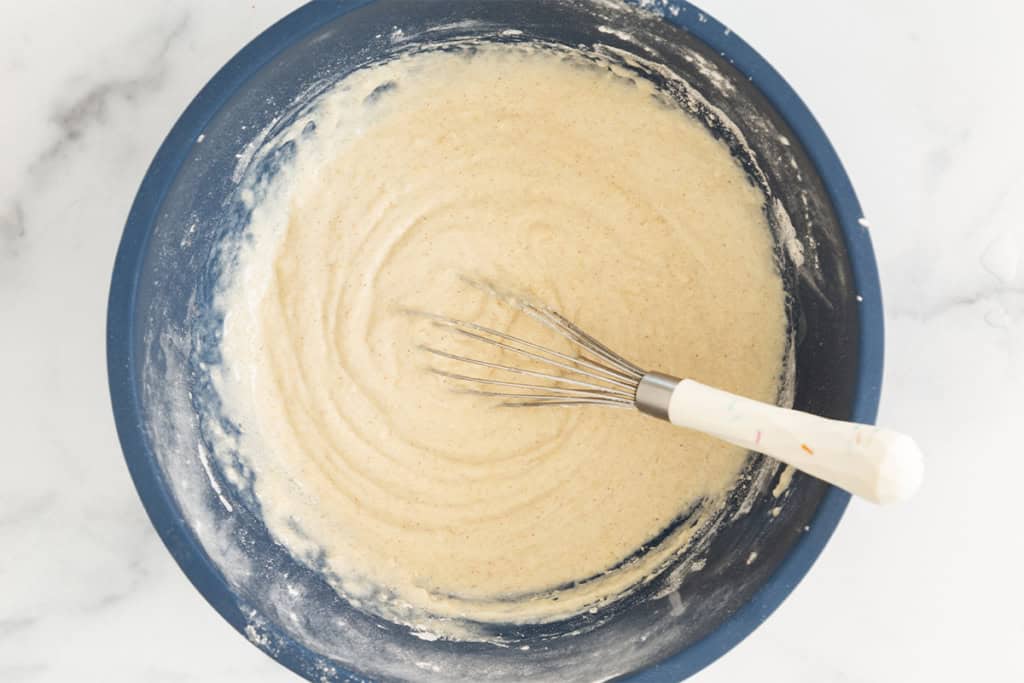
(654, 392)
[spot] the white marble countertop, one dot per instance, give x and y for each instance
(920, 99)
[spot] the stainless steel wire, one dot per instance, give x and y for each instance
(594, 375)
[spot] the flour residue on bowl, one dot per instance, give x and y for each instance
(560, 175)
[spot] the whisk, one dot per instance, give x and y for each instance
(877, 464)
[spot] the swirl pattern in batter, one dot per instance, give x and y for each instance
(558, 177)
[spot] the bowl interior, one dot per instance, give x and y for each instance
(163, 333)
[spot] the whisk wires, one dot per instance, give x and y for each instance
(593, 375)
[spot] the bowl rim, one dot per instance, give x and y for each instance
(162, 172)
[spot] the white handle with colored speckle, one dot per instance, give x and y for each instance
(880, 465)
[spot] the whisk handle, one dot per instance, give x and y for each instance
(877, 464)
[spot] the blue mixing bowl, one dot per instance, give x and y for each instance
(162, 332)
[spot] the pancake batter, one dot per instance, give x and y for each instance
(559, 178)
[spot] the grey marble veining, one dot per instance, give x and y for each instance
(91, 108)
(922, 102)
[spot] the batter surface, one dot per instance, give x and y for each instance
(561, 179)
